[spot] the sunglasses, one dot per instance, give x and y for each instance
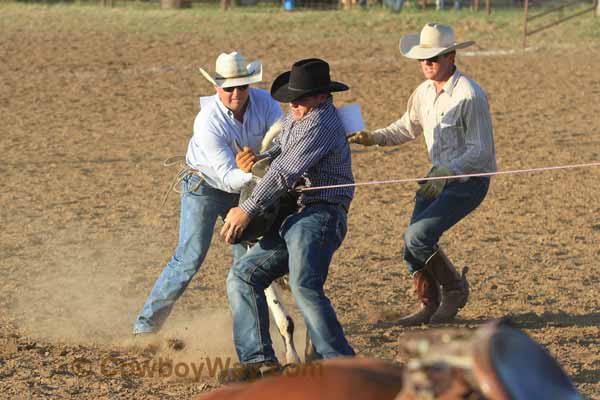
(232, 88)
(432, 59)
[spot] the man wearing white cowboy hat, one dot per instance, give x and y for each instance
(453, 114)
(211, 188)
(313, 147)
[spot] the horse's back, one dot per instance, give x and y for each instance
(336, 379)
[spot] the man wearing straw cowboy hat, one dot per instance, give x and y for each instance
(452, 112)
(312, 146)
(213, 182)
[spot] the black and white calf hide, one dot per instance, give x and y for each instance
(271, 218)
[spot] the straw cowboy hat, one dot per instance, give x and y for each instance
(231, 70)
(434, 40)
(307, 77)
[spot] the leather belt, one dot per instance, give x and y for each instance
(340, 206)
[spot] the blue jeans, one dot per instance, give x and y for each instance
(432, 217)
(303, 246)
(395, 5)
(200, 207)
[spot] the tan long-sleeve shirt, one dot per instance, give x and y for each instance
(456, 123)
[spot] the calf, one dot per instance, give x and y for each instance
(257, 228)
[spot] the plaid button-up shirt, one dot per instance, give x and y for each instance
(314, 148)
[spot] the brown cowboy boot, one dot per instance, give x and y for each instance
(428, 292)
(455, 288)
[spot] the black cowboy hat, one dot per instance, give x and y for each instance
(307, 77)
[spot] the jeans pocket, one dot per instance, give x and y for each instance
(192, 184)
(483, 185)
(287, 222)
(341, 228)
(340, 231)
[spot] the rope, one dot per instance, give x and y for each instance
(184, 170)
(516, 171)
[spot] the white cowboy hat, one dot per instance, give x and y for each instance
(435, 39)
(231, 70)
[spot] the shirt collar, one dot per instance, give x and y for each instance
(319, 107)
(312, 113)
(228, 112)
(450, 84)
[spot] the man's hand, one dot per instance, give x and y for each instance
(363, 137)
(235, 222)
(433, 188)
(245, 159)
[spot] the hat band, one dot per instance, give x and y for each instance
(436, 46)
(233, 77)
(309, 89)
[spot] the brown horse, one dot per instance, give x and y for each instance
(341, 378)
(496, 362)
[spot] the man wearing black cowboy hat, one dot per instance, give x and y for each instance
(313, 147)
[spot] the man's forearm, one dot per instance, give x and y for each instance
(395, 133)
(266, 192)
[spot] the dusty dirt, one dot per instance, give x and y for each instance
(87, 119)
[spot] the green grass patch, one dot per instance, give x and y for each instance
(502, 29)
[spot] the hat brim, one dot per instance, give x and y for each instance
(410, 48)
(281, 91)
(255, 76)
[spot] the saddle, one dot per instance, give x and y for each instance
(497, 362)
(508, 364)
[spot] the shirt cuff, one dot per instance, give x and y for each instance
(250, 207)
(379, 138)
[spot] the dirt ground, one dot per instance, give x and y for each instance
(88, 118)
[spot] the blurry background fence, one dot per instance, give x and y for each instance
(530, 6)
(557, 13)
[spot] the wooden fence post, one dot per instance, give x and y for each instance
(174, 4)
(525, 23)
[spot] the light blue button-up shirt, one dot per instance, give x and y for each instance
(211, 149)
